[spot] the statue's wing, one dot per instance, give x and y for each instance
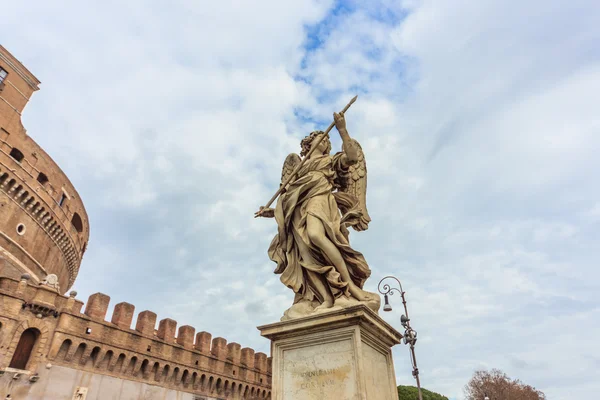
(291, 161)
(355, 184)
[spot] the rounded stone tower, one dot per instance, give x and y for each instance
(43, 224)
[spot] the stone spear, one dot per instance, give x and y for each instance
(295, 171)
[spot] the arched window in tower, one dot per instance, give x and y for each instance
(16, 154)
(24, 348)
(3, 74)
(77, 222)
(42, 178)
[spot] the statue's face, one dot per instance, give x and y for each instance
(324, 146)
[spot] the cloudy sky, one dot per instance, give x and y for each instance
(481, 128)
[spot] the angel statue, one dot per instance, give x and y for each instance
(313, 213)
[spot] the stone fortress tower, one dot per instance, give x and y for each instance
(43, 224)
(49, 349)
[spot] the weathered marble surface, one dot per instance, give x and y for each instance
(319, 198)
(341, 355)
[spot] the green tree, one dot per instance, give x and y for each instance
(412, 393)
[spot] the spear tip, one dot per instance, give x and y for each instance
(353, 99)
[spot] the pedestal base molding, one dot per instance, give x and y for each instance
(340, 355)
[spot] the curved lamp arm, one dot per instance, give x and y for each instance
(385, 289)
(410, 335)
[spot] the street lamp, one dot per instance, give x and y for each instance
(410, 335)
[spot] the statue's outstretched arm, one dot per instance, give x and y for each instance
(265, 212)
(289, 165)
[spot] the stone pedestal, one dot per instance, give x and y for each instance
(338, 355)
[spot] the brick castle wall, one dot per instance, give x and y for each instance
(168, 356)
(43, 223)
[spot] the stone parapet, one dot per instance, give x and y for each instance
(167, 356)
(123, 315)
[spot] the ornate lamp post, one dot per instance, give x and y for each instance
(410, 335)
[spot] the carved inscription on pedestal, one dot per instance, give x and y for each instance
(320, 372)
(319, 378)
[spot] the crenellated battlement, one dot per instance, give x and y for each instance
(167, 333)
(165, 355)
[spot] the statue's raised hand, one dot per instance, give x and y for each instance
(265, 212)
(340, 121)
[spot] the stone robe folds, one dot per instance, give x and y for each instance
(312, 194)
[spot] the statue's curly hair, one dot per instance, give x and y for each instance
(307, 143)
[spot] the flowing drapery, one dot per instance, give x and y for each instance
(311, 193)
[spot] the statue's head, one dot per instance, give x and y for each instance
(307, 142)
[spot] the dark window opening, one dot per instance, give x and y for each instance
(3, 75)
(120, 361)
(16, 154)
(42, 178)
(149, 348)
(196, 362)
(131, 366)
(165, 372)
(79, 353)
(62, 199)
(24, 348)
(143, 368)
(93, 356)
(77, 222)
(64, 349)
(88, 331)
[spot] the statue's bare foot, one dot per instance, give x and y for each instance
(325, 305)
(359, 294)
